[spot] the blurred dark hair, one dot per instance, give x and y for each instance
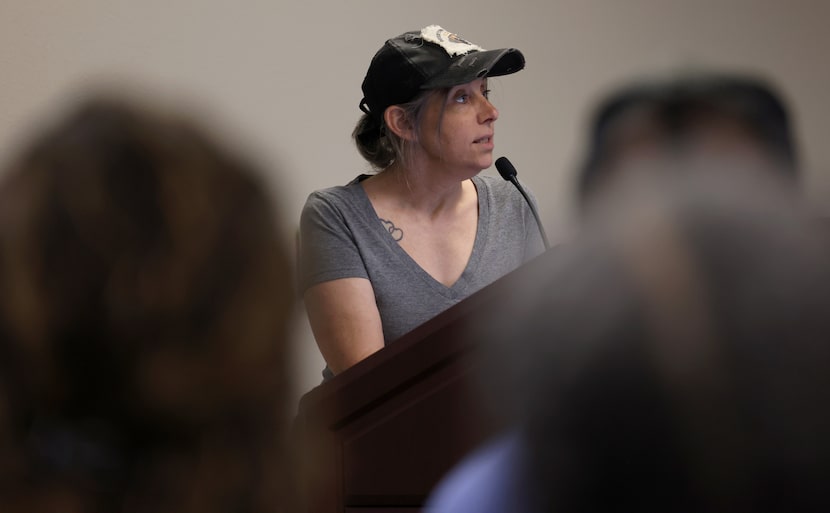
(675, 357)
(675, 108)
(144, 310)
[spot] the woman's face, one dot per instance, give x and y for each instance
(456, 130)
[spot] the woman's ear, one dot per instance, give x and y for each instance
(399, 123)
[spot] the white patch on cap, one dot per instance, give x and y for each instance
(450, 42)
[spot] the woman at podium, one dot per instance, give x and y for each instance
(390, 250)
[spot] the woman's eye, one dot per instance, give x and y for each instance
(486, 93)
(461, 98)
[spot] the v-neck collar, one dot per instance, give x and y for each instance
(458, 289)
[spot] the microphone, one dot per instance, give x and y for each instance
(508, 172)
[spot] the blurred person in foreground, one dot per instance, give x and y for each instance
(143, 321)
(696, 261)
(739, 120)
(674, 358)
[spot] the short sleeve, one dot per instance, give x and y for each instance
(327, 246)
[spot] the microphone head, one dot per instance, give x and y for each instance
(505, 168)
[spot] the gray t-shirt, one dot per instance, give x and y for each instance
(342, 237)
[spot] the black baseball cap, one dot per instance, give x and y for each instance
(430, 58)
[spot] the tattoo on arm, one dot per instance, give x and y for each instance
(396, 233)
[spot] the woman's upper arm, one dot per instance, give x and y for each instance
(345, 321)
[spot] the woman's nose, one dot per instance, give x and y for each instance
(488, 112)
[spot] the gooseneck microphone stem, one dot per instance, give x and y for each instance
(508, 172)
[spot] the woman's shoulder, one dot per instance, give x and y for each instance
(337, 194)
(489, 181)
(495, 185)
(500, 192)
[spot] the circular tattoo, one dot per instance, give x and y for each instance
(396, 233)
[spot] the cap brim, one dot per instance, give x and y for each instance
(468, 67)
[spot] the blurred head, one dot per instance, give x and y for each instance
(143, 320)
(736, 119)
(410, 68)
(675, 357)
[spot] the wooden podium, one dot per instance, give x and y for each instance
(379, 436)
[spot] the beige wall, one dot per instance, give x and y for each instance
(284, 76)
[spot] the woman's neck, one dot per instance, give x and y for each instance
(417, 190)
